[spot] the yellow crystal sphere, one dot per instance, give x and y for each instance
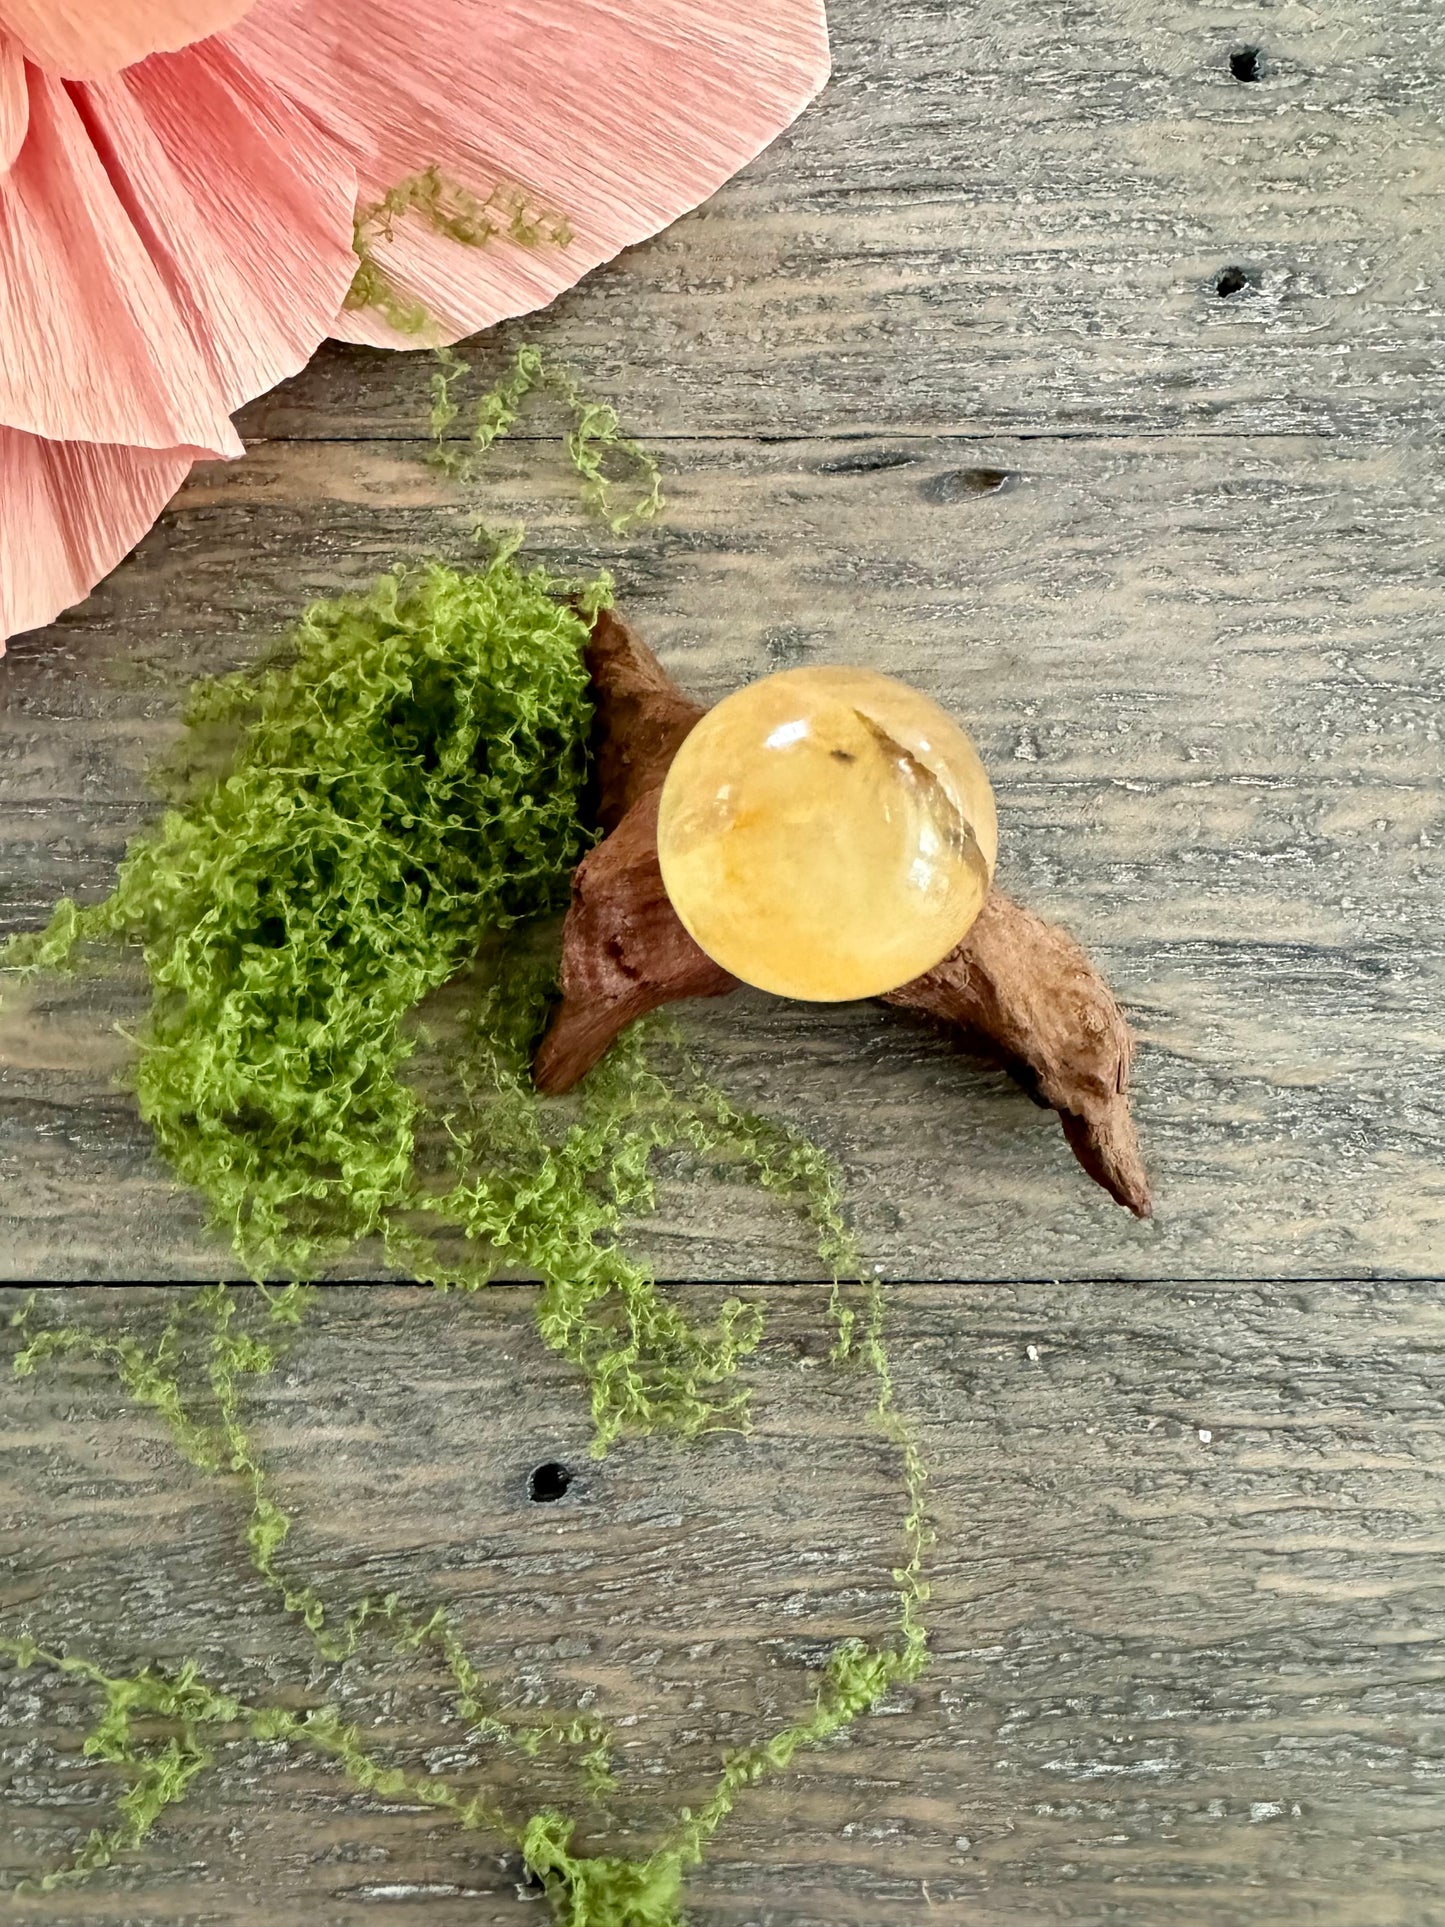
(827, 834)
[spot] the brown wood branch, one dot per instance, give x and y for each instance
(624, 951)
(640, 717)
(1024, 993)
(1017, 989)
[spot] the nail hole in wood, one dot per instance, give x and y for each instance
(1244, 63)
(548, 1483)
(1233, 281)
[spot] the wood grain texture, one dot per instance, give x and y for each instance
(946, 385)
(1186, 1628)
(1014, 216)
(1206, 676)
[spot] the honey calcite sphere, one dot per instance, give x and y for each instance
(827, 834)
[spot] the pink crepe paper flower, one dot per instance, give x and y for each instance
(181, 182)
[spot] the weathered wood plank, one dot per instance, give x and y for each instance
(1186, 1628)
(1008, 217)
(1207, 679)
(951, 389)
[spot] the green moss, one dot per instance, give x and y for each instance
(160, 1731)
(594, 440)
(407, 782)
(448, 209)
(392, 804)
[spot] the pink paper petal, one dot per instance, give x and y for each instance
(69, 512)
(172, 242)
(247, 206)
(14, 101)
(84, 39)
(618, 115)
(95, 349)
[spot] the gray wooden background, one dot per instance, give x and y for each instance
(945, 384)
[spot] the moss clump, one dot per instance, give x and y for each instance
(399, 789)
(392, 802)
(407, 780)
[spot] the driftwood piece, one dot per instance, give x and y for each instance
(1023, 992)
(641, 717)
(624, 951)
(1017, 989)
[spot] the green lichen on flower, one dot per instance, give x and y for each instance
(453, 211)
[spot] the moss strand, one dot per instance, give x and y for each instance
(455, 213)
(584, 1891)
(389, 803)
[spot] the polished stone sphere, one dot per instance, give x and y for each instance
(827, 834)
